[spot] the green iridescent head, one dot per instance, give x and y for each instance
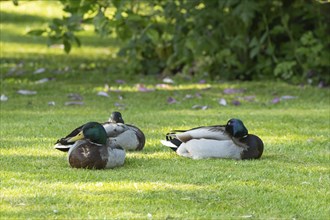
(236, 128)
(92, 131)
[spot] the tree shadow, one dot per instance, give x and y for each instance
(18, 18)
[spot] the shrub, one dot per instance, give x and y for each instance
(228, 39)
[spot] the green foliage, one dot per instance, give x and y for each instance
(229, 39)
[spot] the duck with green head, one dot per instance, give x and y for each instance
(93, 150)
(219, 141)
(126, 136)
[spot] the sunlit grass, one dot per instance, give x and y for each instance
(290, 181)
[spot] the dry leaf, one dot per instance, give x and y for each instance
(188, 96)
(223, 102)
(276, 100)
(3, 98)
(202, 107)
(236, 102)
(171, 100)
(75, 96)
(73, 103)
(168, 80)
(120, 81)
(43, 80)
(104, 94)
(287, 97)
(142, 88)
(26, 92)
(40, 70)
(233, 91)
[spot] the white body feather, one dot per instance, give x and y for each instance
(207, 148)
(127, 140)
(116, 157)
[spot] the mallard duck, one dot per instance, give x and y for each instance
(220, 141)
(126, 136)
(93, 150)
(116, 117)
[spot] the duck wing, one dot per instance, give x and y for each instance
(216, 132)
(140, 136)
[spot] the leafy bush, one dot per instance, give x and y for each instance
(228, 39)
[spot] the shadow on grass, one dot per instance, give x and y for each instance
(19, 18)
(226, 182)
(142, 167)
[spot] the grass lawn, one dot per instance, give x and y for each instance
(290, 181)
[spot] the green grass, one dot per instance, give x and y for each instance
(290, 181)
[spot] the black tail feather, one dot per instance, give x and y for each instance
(174, 141)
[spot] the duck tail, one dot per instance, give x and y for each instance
(61, 147)
(171, 141)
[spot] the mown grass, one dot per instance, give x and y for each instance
(290, 181)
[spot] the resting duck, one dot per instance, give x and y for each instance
(126, 136)
(220, 141)
(93, 150)
(116, 117)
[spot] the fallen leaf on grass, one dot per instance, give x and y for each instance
(40, 70)
(142, 88)
(3, 98)
(104, 94)
(233, 91)
(276, 100)
(236, 102)
(283, 98)
(168, 80)
(75, 96)
(43, 80)
(188, 96)
(119, 105)
(73, 103)
(198, 95)
(171, 100)
(51, 103)
(287, 97)
(202, 107)
(120, 81)
(26, 92)
(223, 102)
